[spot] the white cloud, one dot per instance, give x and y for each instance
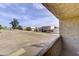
(48, 21)
(38, 6)
(11, 15)
(26, 17)
(23, 9)
(2, 6)
(8, 15)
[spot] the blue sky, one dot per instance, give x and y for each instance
(27, 14)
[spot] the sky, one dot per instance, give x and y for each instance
(27, 14)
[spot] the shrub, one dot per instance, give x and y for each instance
(20, 27)
(28, 29)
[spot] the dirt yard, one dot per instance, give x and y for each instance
(12, 41)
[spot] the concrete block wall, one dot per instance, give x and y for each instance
(56, 49)
(68, 14)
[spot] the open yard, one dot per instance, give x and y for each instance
(17, 42)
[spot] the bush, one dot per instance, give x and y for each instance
(28, 29)
(20, 27)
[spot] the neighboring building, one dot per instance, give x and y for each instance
(47, 29)
(56, 30)
(33, 28)
(36, 29)
(41, 29)
(24, 27)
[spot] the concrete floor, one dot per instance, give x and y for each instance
(19, 42)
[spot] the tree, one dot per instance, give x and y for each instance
(14, 23)
(20, 27)
(1, 27)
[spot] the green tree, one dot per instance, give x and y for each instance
(14, 23)
(1, 27)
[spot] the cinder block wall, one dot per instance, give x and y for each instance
(56, 49)
(68, 14)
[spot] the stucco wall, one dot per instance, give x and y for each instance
(68, 15)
